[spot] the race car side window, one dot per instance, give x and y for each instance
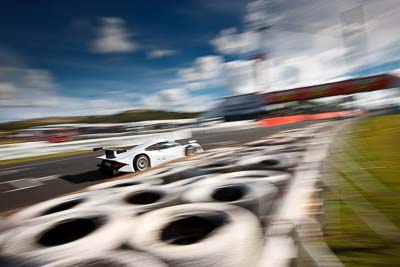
(161, 145)
(165, 145)
(153, 147)
(169, 144)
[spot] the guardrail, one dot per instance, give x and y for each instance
(31, 149)
(225, 127)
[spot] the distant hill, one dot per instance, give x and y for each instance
(126, 116)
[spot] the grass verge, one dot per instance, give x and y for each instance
(369, 157)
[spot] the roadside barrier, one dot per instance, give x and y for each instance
(138, 200)
(203, 234)
(250, 196)
(43, 148)
(47, 210)
(90, 232)
(233, 206)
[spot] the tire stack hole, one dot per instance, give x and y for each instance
(69, 230)
(63, 206)
(216, 165)
(125, 184)
(270, 162)
(144, 198)
(229, 193)
(192, 229)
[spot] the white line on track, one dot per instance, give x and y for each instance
(26, 183)
(42, 163)
(21, 184)
(6, 172)
(47, 178)
(21, 188)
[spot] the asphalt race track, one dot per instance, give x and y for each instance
(27, 183)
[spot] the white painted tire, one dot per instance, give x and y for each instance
(5, 232)
(128, 258)
(54, 207)
(186, 163)
(182, 184)
(91, 232)
(267, 194)
(296, 136)
(268, 150)
(272, 141)
(219, 166)
(204, 234)
(154, 172)
(268, 182)
(117, 184)
(251, 196)
(218, 153)
(276, 178)
(168, 174)
(5, 224)
(141, 200)
(284, 161)
(291, 131)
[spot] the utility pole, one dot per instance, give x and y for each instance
(259, 57)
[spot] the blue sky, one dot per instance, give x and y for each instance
(67, 58)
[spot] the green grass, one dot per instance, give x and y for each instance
(57, 155)
(374, 144)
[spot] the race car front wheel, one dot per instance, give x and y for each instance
(141, 163)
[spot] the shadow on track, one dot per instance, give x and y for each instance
(84, 177)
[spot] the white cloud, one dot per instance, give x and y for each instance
(205, 72)
(196, 85)
(7, 88)
(31, 93)
(239, 77)
(28, 77)
(177, 99)
(113, 37)
(302, 49)
(39, 79)
(259, 13)
(65, 106)
(158, 53)
(211, 71)
(203, 68)
(231, 42)
(21, 86)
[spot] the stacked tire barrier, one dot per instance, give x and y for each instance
(213, 209)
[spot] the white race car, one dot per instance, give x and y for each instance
(146, 155)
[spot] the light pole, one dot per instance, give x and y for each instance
(259, 57)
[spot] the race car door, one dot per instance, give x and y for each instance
(170, 151)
